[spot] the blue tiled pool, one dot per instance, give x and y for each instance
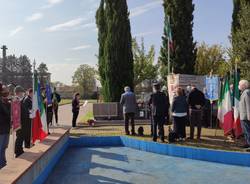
(126, 160)
(127, 165)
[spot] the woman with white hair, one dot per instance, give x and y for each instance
(244, 107)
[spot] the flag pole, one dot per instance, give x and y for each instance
(33, 87)
(168, 48)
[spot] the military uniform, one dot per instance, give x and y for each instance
(159, 111)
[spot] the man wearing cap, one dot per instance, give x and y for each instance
(128, 101)
(19, 96)
(5, 123)
(159, 110)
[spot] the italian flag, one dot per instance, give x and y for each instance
(236, 96)
(39, 125)
(225, 113)
(169, 33)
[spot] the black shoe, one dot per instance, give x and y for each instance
(155, 140)
(48, 133)
(134, 134)
(245, 146)
(162, 141)
(20, 153)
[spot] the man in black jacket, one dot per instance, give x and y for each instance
(56, 99)
(5, 123)
(196, 102)
(25, 118)
(159, 110)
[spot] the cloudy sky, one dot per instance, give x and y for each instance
(63, 34)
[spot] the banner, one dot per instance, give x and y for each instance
(16, 114)
(212, 88)
(183, 80)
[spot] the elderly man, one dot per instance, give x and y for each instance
(128, 101)
(244, 108)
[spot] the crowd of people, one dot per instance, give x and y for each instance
(187, 108)
(23, 132)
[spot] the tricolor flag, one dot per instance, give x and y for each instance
(39, 124)
(169, 33)
(225, 113)
(236, 96)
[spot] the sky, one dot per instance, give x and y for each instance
(63, 34)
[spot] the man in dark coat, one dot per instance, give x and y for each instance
(25, 118)
(5, 123)
(159, 109)
(196, 102)
(56, 99)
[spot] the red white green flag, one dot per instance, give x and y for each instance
(237, 125)
(39, 124)
(225, 112)
(169, 33)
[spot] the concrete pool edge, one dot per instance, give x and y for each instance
(218, 156)
(35, 162)
(38, 171)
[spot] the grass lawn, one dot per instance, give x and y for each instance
(68, 101)
(86, 117)
(209, 139)
(65, 101)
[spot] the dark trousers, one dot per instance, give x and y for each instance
(19, 142)
(56, 114)
(152, 125)
(27, 134)
(4, 141)
(131, 117)
(49, 119)
(75, 115)
(158, 122)
(180, 126)
(195, 120)
(245, 124)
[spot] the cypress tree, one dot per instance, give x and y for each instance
(101, 25)
(183, 55)
(240, 33)
(115, 49)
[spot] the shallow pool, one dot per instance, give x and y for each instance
(110, 165)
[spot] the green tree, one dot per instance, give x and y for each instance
(43, 73)
(240, 33)
(144, 67)
(115, 48)
(183, 54)
(101, 25)
(211, 58)
(18, 71)
(25, 71)
(85, 80)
